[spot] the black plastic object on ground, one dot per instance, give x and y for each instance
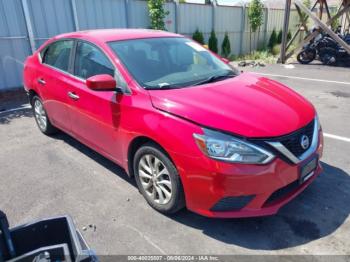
(53, 239)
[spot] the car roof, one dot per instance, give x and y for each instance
(108, 35)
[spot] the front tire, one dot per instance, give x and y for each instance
(158, 179)
(41, 117)
(306, 56)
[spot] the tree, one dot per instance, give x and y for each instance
(255, 16)
(307, 3)
(279, 37)
(157, 14)
(213, 42)
(226, 47)
(198, 36)
(336, 23)
(273, 39)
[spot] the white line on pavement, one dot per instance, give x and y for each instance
(15, 109)
(342, 138)
(307, 79)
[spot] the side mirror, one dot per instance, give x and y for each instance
(225, 60)
(101, 83)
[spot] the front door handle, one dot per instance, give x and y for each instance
(73, 96)
(41, 81)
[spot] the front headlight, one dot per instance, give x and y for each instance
(228, 148)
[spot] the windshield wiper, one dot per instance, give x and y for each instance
(163, 87)
(215, 78)
(211, 79)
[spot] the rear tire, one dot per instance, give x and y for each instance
(41, 117)
(328, 56)
(157, 179)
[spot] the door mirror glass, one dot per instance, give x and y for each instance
(101, 82)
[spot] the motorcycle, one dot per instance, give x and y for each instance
(326, 49)
(310, 51)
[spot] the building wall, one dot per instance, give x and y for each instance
(14, 46)
(101, 14)
(27, 24)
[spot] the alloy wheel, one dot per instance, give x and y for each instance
(155, 179)
(40, 114)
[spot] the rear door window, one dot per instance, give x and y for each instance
(58, 54)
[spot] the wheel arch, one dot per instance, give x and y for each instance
(31, 94)
(134, 145)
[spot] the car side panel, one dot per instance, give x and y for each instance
(29, 74)
(139, 119)
(50, 84)
(54, 95)
(95, 118)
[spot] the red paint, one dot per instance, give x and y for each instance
(101, 83)
(247, 105)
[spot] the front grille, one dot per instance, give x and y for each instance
(293, 141)
(278, 194)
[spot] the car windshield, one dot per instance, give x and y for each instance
(172, 62)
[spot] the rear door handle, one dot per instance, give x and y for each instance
(73, 96)
(41, 81)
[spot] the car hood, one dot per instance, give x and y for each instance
(247, 105)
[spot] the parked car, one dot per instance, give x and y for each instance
(190, 129)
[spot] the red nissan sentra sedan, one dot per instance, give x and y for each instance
(191, 129)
